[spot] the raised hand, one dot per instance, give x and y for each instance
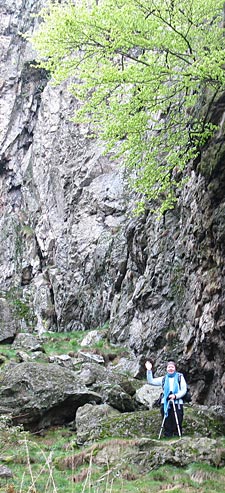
(148, 365)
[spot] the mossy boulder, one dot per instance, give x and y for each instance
(151, 454)
(199, 421)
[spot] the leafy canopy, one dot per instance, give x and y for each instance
(142, 70)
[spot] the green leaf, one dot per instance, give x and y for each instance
(142, 70)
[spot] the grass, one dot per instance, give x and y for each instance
(7, 352)
(58, 343)
(62, 343)
(52, 463)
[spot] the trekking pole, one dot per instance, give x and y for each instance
(163, 421)
(176, 418)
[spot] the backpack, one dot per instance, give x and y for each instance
(186, 397)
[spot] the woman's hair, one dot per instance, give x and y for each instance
(171, 363)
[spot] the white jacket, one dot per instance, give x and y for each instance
(158, 382)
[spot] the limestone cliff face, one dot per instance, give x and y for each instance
(71, 257)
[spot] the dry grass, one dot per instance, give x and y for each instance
(76, 460)
(80, 477)
(202, 476)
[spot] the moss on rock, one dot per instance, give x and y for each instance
(199, 421)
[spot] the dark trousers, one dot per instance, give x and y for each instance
(170, 425)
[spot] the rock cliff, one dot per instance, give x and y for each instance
(71, 255)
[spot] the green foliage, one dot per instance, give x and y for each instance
(7, 352)
(22, 309)
(143, 69)
(20, 304)
(28, 231)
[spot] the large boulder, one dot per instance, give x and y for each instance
(39, 395)
(199, 421)
(116, 390)
(151, 454)
(89, 420)
(146, 454)
(27, 341)
(148, 395)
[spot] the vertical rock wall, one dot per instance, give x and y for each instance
(62, 201)
(72, 257)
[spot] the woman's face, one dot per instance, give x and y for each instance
(171, 368)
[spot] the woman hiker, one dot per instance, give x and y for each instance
(174, 388)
